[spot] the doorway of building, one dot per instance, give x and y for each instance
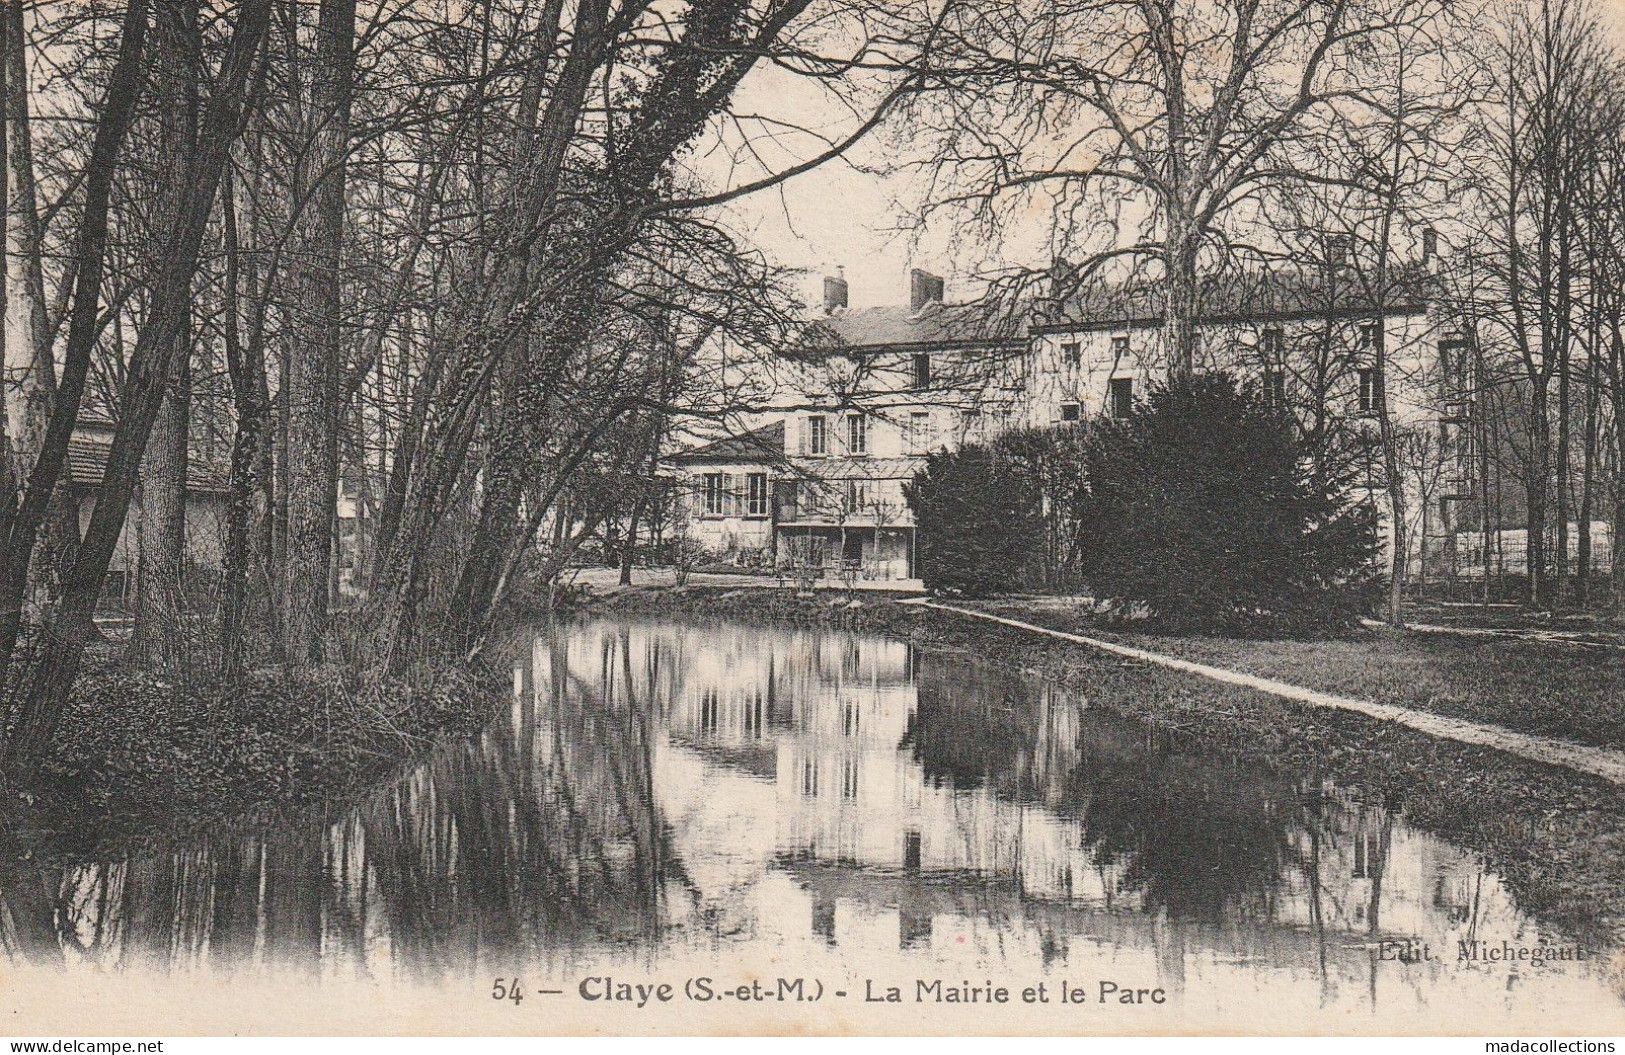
(854, 552)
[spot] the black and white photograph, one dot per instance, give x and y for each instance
(1070, 518)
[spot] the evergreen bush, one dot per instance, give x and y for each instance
(980, 528)
(1203, 511)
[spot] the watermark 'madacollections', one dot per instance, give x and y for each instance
(1550, 1047)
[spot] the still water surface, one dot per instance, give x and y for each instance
(669, 799)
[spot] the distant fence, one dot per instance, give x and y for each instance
(1493, 566)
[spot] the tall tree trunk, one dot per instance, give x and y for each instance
(30, 374)
(1616, 378)
(1617, 528)
(23, 523)
(1588, 477)
(1536, 482)
(1180, 305)
(150, 366)
(250, 451)
(629, 545)
(161, 530)
(313, 375)
(1394, 480)
(30, 377)
(1562, 484)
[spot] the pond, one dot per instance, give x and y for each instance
(673, 800)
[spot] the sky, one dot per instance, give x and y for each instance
(843, 215)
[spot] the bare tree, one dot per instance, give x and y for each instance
(27, 504)
(30, 379)
(311, 402)
(1530, 173)
(1385, 163)
(151, 364)
(160, 637)
(1145, 129)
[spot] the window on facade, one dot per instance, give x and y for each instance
(849, 779)
(1368, 390)
(817, 435)
(1337, 249)
(1272, 344)
(756, 495)
(789, 498)
(1122, 396)
(857, 495)
(1072, 354)
(1368, 336)
(716, 495)
(1071, 412)
(1275, 388)
(922, 370)
(919, 431)
(857, 434)
(1120, 348)
(1453, 361)
(1367, 856)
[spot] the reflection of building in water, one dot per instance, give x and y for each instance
(830, 718)
(928, 787)
(660, 788)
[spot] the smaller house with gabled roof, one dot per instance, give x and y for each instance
(729, 486)
(207, 484)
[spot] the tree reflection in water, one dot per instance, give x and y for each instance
(1191, 835)
(1168, 827)
(538, 837)
(872, 780)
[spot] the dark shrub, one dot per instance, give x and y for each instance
(1051, 460)
(980, 523)
(1202, 509)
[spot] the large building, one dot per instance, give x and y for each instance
(817, 482)
(818, 485)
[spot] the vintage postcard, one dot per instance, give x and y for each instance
(817, 517)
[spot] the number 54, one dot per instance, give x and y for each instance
(506, 989)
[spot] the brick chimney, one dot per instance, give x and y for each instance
(835, 291)
(923, 288)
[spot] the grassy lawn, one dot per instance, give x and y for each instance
(1533, 687)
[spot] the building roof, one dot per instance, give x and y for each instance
(87, 461)
(1257, 296)
(934, 325)
(765, 444)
